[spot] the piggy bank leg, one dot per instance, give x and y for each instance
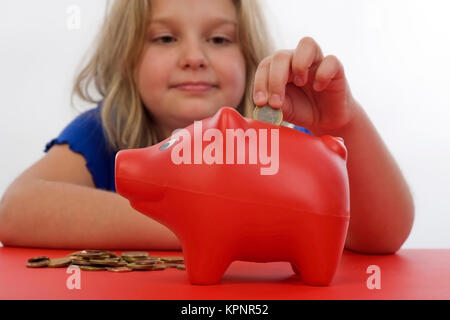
(319, 249)
(315, 272)
(295, 269)
(206, 264)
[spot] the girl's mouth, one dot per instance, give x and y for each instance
(195, 87)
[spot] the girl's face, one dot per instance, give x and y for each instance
(190, 41)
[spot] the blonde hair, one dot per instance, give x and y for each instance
(112, 67)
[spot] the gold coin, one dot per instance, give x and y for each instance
(268, 114)
(131, 259)
(139, 267)
(181, 267)
(119, 269)
(91, 253)
(172, 259)
(121, 263)
(87, 251)
(38, 259)
(171, 265)
(75, 253)
(60, 262)
(81, 262)
(111, 262)
(147, 261)
(135, 254)
(132, 256)
(38, 262)
(158, 267)
(97, 260)
(92, 268)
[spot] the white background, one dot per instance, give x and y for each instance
(396, 55)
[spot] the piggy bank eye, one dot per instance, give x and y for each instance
(168, 144)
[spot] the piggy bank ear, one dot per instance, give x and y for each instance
(335, 144)
(230, 118)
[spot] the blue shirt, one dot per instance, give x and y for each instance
(85, 136)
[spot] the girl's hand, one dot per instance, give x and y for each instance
(311, 90)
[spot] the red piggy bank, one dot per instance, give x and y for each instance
(233, 188)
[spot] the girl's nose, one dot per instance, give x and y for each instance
(193, 56)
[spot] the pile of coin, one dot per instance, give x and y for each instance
(268, 114)
(100, 260)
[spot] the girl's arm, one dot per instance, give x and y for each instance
(54, 206)
(382, 207)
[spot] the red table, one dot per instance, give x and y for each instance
(408, 274)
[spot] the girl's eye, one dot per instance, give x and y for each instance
(167, 39)
(220, 40)
(163, 38)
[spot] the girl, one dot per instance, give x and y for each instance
(160, 65)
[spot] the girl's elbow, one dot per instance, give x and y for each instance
(8, 225)
(379, 248)
(4, 225)
(399, 230)
(386, 242)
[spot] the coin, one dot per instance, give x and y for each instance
(170, 265)
(111, 262)
(132, 256)
(92, 268)
(181, 266)
(134, 266)
(119, 269)
(135, 254)
(147, 261)
(81, 262)
(268, 114)
(91, 253)
(158, 267)
(145, 264)
(99, 260)
(38, 262)
(60, 262)
(172, 259)
(38, 259)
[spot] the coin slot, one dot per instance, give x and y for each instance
(168, 144)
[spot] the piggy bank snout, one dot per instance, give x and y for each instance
(132, 177)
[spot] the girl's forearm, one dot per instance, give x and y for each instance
(382, 207)
(59, 215)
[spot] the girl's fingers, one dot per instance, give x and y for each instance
(278, 77)
(306, 63)
(329, 69)
(306, 54)
(297, 109)
(260, 87)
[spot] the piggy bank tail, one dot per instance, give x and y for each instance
(335, 144)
